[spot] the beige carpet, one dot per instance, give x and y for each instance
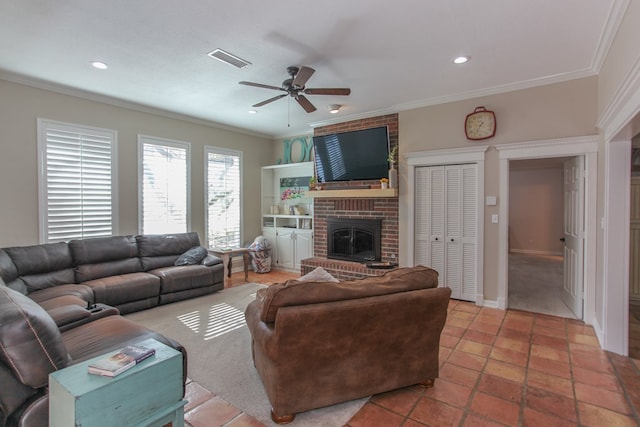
(213, 330)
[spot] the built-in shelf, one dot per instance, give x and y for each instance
(357, 193)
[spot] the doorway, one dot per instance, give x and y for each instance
(585, 147)
(536, 261)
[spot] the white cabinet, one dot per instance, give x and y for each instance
(446, 225)
(287, 213)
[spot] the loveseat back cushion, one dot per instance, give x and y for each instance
(104, 256)
(8, 270)
(30, 342)
(41, 266)
(162, 250)
(295, 292)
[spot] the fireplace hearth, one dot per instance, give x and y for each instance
(356, 240)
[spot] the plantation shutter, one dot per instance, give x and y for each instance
(76, 181)
(165, 186)
(223, 198)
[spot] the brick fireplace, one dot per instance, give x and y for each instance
(384, 209)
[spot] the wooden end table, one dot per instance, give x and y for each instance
(227, 254)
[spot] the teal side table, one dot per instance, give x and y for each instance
(149, 394)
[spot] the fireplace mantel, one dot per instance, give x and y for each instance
(366, 193)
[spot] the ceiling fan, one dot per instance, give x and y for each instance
(294, 86)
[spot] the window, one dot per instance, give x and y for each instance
(76, 166)
(164, 186)
(223, 170)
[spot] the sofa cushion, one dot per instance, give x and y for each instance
(181, 278)
(295, 292)
(125, 288)
(192, 256)
(30, 342)
(40, 266)
(162, 250)
(104, 256)
(8, 270)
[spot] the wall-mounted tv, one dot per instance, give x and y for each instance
(351, 156)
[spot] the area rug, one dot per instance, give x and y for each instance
(213, 330)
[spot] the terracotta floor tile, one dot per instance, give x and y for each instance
(495, 408)
(533, 418)
(487, 328)
(245, 420)
(459, 314)
(550, 383)
(551, 322)
(435, 413)
(596, 379)
(591, 415)
(443, 354)
(551, 403)
(547, 341)
(449, 341)
(195, 395)
(449, 393)
(412, 423)
(453, 331)
(549, 353)
(371, 415)
(212, 412)
(512, 344)
(476, 421)
(399, 401)
(550, 332)
(603, 398)
(509, 356)
(460, 323)
(580, 328)
(499, 387)
(515, 334)
(467, 360)
(468, 307)
(459, 375)
(473, 348)
(584, 339)
(479, 336)
(505, 370)
(591, 360)
(550, 367)
(492, 312)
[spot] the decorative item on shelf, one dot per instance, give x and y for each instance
(312, 183)
(393, 173)
(384, 183)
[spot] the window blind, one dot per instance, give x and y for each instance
(223, 198)
(76, 181)
(165, 186)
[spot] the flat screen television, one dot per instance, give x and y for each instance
(352, 156)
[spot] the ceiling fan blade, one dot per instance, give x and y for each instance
(302, 76)
(275, 98)
(328, 91)
(305, 103)
(261, 85)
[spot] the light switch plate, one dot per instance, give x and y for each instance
(494, 218)
(492, 201)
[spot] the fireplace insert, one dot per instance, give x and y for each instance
(354, 239)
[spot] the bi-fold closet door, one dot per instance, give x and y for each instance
(446, 225)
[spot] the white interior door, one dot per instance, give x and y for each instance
(573, 234)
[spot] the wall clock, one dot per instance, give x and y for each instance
(479, 125)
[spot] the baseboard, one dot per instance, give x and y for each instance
(491, 304)
(534, 252)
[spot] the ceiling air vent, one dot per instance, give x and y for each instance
(228, 58)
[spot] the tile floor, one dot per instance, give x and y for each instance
(498, 368)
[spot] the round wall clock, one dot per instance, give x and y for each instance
(481, 124)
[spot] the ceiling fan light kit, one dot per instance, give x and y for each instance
(294, 86)
(334, 108)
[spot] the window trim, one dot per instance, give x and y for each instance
(42, 125)
(229, 152)
(169, 143)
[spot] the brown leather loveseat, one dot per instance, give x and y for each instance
(320, 343)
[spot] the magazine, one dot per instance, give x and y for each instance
(119, 362)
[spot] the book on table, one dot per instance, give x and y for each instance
(126, 358)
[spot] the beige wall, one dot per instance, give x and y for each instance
(536, 210)
(553, 111)
(21, 105)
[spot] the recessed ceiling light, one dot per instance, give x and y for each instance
(99, 65)
(461, 59)
(228, 58)
(252, 111)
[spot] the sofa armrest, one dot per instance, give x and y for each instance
(262, 333)
(68, 314)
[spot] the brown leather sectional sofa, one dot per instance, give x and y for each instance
(130, 273)
(60, 305)
(320, 343)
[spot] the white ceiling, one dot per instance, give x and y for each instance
(393, 55)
